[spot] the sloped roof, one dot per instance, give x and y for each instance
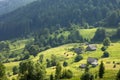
(91, 59)
(91, 47)
(83, 65)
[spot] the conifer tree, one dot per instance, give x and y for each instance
(51, 77)
(118, 75)
(106, 42)
(101, 70)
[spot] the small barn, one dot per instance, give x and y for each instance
(91, 47)
(79, 50)
(92, 61)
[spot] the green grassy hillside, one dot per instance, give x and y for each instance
(59, 52)
(88, 33)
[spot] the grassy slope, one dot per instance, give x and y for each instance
(59, 52)
(88, 33)
(17, 47)
(74, 66)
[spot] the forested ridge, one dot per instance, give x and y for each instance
(53, 14)
(7, 6)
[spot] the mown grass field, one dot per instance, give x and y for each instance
(62, 51)
(88, 33)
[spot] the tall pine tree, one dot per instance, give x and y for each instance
(118, 75)
(101, 70)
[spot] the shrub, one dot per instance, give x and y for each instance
(78, 58)
(15, 70)
(67, 74)
(105, 54)
(48, 63)
(51, 77)
(118, 75)
(106, 42)
(104, 48)
(65, 64)
(87, 76)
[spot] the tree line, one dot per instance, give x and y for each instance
(46, 39)
(29, 70)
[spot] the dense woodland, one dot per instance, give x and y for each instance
(7, 6)
(54, 14)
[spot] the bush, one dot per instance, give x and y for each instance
(106, 42)
(104, 48)
(78, 58)
(118, 75)
(67, 74)
(87, 76)
(15, 70)
(105, 54)
(48, 63)
(32, 49)
(13, 79)
(65, 64)
(51, 77)
(2, 70)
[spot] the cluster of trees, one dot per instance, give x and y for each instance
(53, 61)
(58, 13)
(65, 74)
(4, 46)
(106, 44)
(2, 72)
(29, 70)
(4, 50)
(47, 40)
(101, 34)
(6, 53)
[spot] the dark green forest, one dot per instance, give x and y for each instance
(7, 6)
(55, 14)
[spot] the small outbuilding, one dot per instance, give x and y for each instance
(79, 50)
(91, 47)
(83, 66)
(92, 61)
